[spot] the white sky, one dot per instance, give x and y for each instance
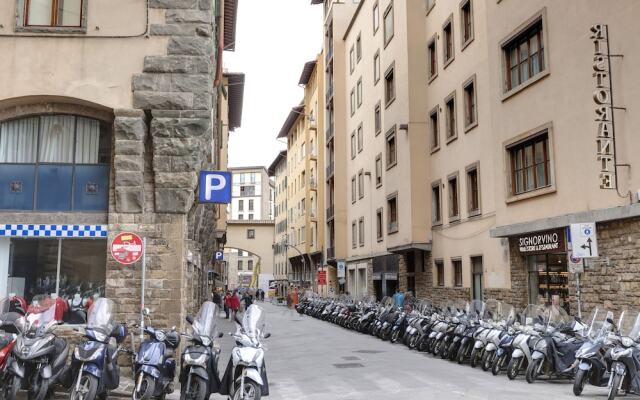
(273, 41)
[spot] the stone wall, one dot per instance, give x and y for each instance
(160, 146)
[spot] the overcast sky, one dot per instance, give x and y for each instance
(273, 41)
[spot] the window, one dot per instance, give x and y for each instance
(524, 56)
(376, 17)
(55, 163)
(379, 224)
(377, 119)
(450, 114)
(457, 272)
(251, 233)
(376, 67)
(361, 184)
(432, 55)
(240, 265)
(447, 41)
(379, 170)
(247, 191)
(430, 5)
(241, 177)
(352, 59)
(359, 48)
(436, 203)
(250, 265)
(359, 92)
(353, 189)
(440, 272)
(361, 231)
(392, 212)
(434, 128)
(250, 204)
(466, 20)
(454, 209)
(353, 145)
(388, 24)
(240, 216)
(360, 138)
(251, 216)
(473, 190)
(354, 235)
(53, 13)
(389, 86)
(530, 164)
(353, 101)
(470, 108)
(391, 148)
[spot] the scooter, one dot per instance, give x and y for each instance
(199, 373)
(94, 365)
(624, 372)
(592, 359)
(245, 377)
(39, 356)
(155, 366)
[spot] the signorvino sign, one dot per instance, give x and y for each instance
(542, 242)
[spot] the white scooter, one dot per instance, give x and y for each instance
(245, 377)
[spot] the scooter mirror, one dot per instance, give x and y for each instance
(146, 311)
(267, 336)
(190, 319)
(609, 320)
(220, 335)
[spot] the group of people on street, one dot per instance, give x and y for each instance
(233, 301)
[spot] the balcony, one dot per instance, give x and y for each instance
(329, 133)
(330, 170)
(331, 253)
(330, 212)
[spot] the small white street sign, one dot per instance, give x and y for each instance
(584, 240)
(575, 265)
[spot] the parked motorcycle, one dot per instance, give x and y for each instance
(155, 365)
(591, 359)
(199, 373)
(94, 365)
(245, 377)
(39, 356)
(527, 333)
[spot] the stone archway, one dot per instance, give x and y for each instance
(255, 237)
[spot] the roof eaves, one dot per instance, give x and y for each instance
(296, 112)
(307, 71)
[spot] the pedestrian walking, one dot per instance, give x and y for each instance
(227, 302)
(234, 304)
(398, 298)
(217, 299)
(247, 300)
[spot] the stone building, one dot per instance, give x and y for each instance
(108, 111)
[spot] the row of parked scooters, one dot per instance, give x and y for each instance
(33, 358)
(537, 341)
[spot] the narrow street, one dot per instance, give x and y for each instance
(308, 359)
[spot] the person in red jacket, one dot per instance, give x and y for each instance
(234, 304)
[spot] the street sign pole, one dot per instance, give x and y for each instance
(578, 290)
(144, 271)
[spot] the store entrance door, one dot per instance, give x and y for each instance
(548, 279)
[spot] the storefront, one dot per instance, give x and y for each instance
(68, 261)
(545, 258)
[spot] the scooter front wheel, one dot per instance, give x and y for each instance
(615, 385)
(86, 390)
(12, 391)
(252, 391)
(513, 369)
(38, 390)
(532, 370)
(579, 382)
(145, 386)
(196, 390)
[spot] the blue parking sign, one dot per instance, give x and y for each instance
(215, 187)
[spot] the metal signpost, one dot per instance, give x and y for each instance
(584, 244)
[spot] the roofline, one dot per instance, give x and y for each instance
(353, 20)
(294, 115)
(260, 167)
(282, 155)
(307, 71)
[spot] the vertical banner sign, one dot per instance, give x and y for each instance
(602, 96)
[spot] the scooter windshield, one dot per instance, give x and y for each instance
(476, 309)
(629, 324)
(534, 314)
(491, 310)
(205, 322)
(253, 322)
(5, 303)
(557, 317)
(101, 316)
(41, 312)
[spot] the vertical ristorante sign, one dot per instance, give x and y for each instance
(604, 111)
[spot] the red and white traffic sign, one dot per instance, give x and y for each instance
(126, 248)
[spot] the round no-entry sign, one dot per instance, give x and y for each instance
(126, 248)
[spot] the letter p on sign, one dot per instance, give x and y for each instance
(215, 187)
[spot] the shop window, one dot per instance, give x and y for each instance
(72, 268)
(439, 265)
(457, 272)
(529, 163)
(548, 279)
(55, 163)
(51, 13)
